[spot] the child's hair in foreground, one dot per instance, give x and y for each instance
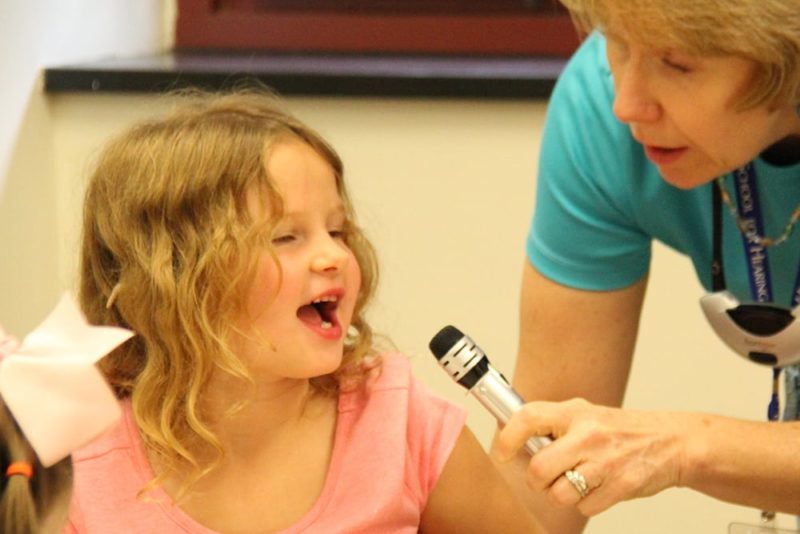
(169, 247)
(30, 492)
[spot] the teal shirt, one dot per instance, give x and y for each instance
(600, 201)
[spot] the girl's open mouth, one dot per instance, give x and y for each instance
(320, 316)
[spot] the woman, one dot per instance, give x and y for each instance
(663, 98)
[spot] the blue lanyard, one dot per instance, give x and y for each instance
(749, 207)
(750, 214)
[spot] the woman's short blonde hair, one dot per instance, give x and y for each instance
(169, 248)
(766, 32)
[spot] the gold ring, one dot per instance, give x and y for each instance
(578, 482)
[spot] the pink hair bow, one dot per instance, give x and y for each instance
(51, 385)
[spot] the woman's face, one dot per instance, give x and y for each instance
(682, 109)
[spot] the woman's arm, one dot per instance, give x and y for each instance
(472, 496)
(744, 462)
(627, 454)
(624, 454)
(573, 343)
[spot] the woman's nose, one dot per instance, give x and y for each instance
(633, 102)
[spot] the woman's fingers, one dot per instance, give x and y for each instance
(533, 419)
(600, 455)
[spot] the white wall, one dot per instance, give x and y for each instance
(445, 190)
(33, 34)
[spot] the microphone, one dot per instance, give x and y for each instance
(467, 364)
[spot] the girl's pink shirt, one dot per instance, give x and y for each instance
(392, 441)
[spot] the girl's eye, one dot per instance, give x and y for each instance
(337, 233)
(283, 239)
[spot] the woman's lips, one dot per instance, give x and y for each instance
(662, 155)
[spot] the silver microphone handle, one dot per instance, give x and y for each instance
(502, 401)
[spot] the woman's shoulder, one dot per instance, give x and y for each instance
(592, 54)
(582, 135)
(586, 77)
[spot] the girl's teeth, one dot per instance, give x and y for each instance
(325, 325)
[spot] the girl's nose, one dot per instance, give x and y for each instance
(330, 256)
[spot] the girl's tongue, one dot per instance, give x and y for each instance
(309, 314)
(320, 314)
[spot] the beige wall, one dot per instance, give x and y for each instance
(445, 190)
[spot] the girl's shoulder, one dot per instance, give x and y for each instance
(120, 437)
(392, 388)
(394, 424)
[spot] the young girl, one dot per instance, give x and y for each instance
(224, 237)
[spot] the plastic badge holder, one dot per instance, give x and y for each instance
(742, 528)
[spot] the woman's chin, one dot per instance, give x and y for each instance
(685, 181)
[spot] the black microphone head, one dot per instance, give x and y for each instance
(444, 341)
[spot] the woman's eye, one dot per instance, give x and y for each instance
(675, 65)
(337, 233)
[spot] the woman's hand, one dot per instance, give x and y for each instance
(622, 454)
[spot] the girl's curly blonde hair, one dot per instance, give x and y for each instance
(166, 227)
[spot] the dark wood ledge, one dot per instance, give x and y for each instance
(317, 74)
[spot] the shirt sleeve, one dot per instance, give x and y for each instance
(584, 231)
(70, 528)
(434, 425)
(75, 522)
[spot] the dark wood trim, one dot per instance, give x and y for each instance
(201, 24)
(316, 75)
